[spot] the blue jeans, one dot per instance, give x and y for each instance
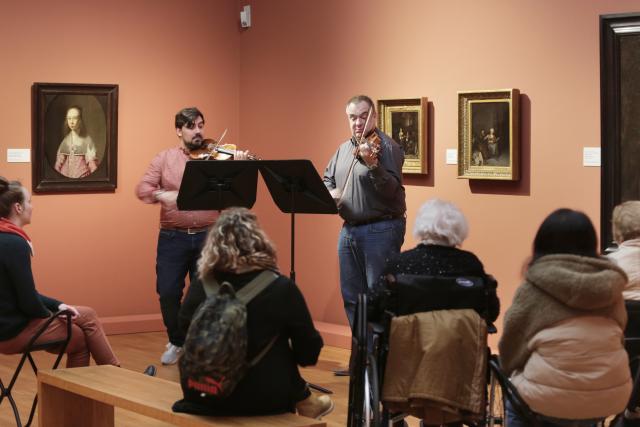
(177, 255)
(514, 420)
(363, 252)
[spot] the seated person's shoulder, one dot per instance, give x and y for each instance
(12, 242)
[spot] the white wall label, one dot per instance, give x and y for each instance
(452, 156)
(18, 155)
(591, 156)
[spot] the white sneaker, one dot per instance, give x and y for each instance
(172, 354)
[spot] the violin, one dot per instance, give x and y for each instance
(214, 150)
(372, 140)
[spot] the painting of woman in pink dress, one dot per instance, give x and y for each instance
(76, 156)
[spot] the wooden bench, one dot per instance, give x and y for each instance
(87, 396)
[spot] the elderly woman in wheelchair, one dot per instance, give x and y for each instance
(562, 340)
(428, 353)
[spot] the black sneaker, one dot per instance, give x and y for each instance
(342, 373)
(151, 371)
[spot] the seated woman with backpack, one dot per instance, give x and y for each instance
(561, 343)
(279, 332)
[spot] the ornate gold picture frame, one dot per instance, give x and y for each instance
(488, 135)
(405, 120)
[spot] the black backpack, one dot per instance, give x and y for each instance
(215, 349)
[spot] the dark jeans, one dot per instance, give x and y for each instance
(363, 252)
(177, 255)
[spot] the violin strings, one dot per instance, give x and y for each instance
(217, 143)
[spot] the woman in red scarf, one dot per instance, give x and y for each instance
(22, 308)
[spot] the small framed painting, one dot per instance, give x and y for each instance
(405, 121)
(488, 135)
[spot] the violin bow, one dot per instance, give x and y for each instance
(366, 122)
(219, 140)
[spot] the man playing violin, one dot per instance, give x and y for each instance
(182, 233)
(365, 178)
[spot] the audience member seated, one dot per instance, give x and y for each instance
(440, 227)
(626, 232)
(22, 309)
(236, 251)
(561, 343)
(446, 360)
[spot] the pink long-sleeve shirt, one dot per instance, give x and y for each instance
(165, 173)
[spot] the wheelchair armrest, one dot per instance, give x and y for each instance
(376, 328)
(510, 392)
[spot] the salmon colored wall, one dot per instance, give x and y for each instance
(302, 60)
(280, 88)
(99, 249)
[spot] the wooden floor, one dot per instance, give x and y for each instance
(136, 351)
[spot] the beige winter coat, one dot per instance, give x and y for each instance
(562, 340)
(628, 258)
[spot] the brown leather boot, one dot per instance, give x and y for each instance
(315, 406)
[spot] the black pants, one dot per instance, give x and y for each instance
(633, 331)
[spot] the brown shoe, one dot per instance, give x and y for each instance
(315, 406)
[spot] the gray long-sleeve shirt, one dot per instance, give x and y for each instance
(370, 193)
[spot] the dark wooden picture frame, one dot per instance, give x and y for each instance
(405, 120)
(620, 109)
(74, 137)
(489, 135)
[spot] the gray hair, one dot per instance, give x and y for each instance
(361, 98)
(626, 221)
(441, 223)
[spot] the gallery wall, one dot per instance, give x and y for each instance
(99, 249)
(280, 88)
(302, 60)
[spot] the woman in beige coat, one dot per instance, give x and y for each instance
(562, 336)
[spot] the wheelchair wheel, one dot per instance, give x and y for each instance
(371, 404)
(495, 403)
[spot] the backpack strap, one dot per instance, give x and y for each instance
(253, 362)
(248, 292)
(257, 285)
(210, 285)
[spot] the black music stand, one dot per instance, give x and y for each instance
(213, 185)
(296, 187)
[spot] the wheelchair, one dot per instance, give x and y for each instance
(409, 294)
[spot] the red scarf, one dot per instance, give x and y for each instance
(7, 226)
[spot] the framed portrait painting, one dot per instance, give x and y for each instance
(406, 122)
(488, 135)
(74, 137)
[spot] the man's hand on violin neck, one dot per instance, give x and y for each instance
(241, 155)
